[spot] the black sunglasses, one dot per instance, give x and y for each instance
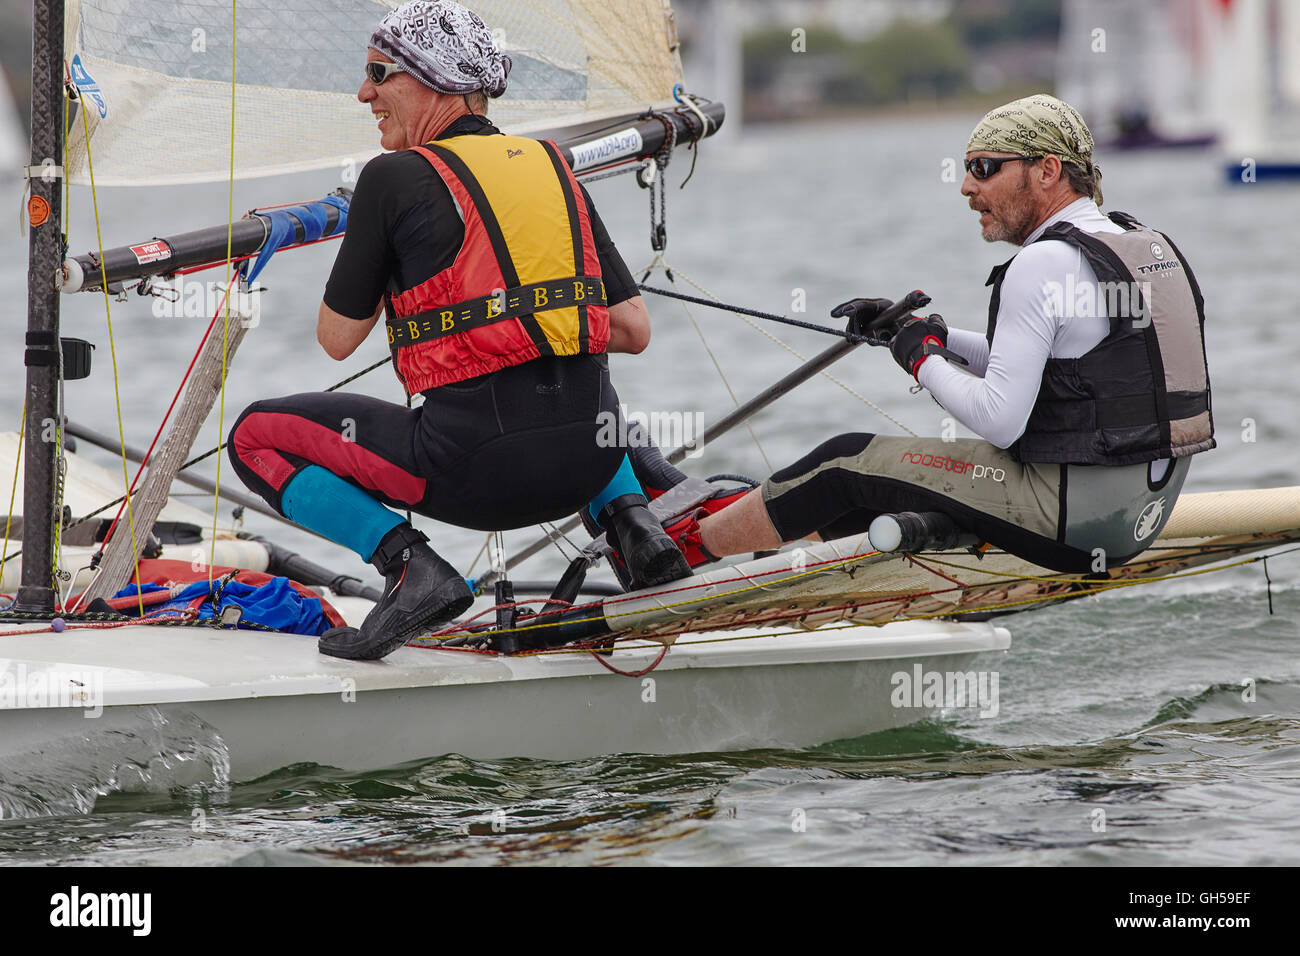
(982, 167)
(377, 71)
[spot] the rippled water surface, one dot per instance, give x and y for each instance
(1154, 726)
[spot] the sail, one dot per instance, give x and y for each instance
(1258, 71)
(156, 92)
(1117, 61)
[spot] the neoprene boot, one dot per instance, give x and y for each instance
(648, 555)
(421, 590)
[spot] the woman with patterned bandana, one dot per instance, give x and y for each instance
(503, 290)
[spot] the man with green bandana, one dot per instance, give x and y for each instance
(1089, 386)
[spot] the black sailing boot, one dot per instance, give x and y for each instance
(420, 590)
(649, 556)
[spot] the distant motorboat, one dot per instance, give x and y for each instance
(1135, 131)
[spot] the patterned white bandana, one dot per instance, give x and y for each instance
(443, 45)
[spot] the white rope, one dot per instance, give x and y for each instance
(689, 101)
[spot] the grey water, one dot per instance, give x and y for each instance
(1158, 725)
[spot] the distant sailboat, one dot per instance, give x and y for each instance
(1139, 73)
(1257, 76)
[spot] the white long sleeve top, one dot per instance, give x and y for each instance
(1042, 314)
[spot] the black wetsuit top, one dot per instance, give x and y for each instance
(499, 451)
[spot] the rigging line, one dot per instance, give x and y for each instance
(61, 471)
(13, 490)
(803, 358)
(1099, 586)
(659, 262)
(554, 532)
(204, 266)
(1108, 585)
(212, 451)
(693, 146)
(335, 387)
(112, 351)
(1268, 583)
(61, 463)
(144, 461)
(225, 331)
(600, 659)
(608, 607)
(473, 564)
(631, 166)
(197, 458)
(352, 378)
(741, 310)
(650, 113)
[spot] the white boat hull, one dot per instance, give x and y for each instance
(246, 703)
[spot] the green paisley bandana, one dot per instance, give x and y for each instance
(1038, 125)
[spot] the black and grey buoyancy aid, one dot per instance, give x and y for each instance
(1143, 392)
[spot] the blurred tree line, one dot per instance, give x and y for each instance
(980, 46)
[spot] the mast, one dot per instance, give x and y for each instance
(42, 357)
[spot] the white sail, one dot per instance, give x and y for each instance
(1258, 65)
(155, 79)
(1117, 59)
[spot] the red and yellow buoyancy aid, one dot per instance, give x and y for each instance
(526, 282)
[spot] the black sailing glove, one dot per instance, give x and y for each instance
(862, 315)
(918, 339)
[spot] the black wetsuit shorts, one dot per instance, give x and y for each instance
(500, 451)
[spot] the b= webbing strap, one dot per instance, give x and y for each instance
(496, 237)
(515, 303)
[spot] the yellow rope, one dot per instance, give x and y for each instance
(13, 490)
(58, 450)
(225, 329)
(112, 350)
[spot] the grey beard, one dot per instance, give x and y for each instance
(1019, 221)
